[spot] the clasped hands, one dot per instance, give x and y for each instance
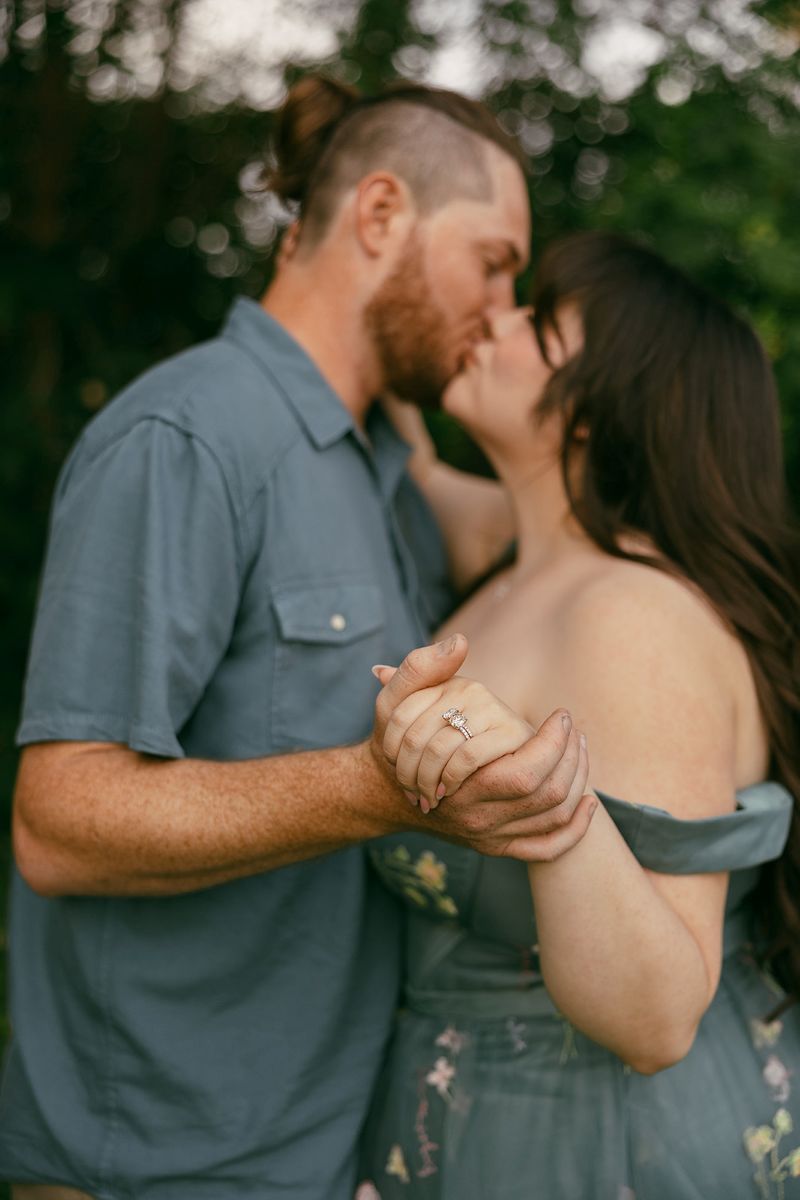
(508, 790)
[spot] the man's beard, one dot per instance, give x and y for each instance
(409, 332)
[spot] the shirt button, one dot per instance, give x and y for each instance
(338, 622)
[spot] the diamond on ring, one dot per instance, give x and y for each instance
(456, 718)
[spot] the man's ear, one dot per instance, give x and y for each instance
(286, 250)
(384, 212)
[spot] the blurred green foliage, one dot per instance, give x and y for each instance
(130, 216)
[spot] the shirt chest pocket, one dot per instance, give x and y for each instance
(328, 637)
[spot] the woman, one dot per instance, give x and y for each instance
(626, 1040)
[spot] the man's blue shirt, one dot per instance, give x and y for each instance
(228, 556)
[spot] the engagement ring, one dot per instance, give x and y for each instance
(456, 718)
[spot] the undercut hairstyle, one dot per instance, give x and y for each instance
(328, 137)
(673, 402)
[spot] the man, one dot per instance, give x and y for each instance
(203, 972)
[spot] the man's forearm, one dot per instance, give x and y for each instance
(95, 819)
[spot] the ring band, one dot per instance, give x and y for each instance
(456, 718)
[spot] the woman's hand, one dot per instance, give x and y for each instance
(432, 758)
(410, 424)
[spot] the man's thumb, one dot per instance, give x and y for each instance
(456, 645)
(426, 667)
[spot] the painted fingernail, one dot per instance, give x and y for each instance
(440, 791)
(447, 646)
(412, 799)
(378, 668)
(566, 721)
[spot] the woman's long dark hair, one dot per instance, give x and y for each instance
(673, 403)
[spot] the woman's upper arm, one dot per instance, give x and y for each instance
(475, 517)
(644, 671)
(474, 513)
(643, 665)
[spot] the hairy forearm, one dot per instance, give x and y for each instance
(103, 820)
(617, 960)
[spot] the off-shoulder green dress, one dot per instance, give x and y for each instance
(489, 1094)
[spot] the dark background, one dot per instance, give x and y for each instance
(129, 216)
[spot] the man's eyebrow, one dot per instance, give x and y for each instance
(511, 252)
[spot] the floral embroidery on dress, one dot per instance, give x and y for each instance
(367, 1191)
(441, 1077)
(451, 1039)
(431, 870)
(762, 1142)
(396, 1165)
(443, 1071)
(515, 1031)
(765, 1033)
(776, 1077)
(423, 882)
(425, 1146)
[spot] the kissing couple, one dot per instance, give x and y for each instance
(562, 826)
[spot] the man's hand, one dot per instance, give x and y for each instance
(507, 790)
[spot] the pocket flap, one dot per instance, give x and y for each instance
(335, 613)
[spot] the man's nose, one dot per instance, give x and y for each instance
(496, 314)
(500, 295)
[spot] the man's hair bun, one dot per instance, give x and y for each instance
(308, 117)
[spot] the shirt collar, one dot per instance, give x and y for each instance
(299, 380)
(309, 394)
(390, 452)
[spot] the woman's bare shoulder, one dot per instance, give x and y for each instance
(620, 595)
(630, 626)
(655, 679)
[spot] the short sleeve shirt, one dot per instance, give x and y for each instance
(228, 555)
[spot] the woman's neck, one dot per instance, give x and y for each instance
(547, 532)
